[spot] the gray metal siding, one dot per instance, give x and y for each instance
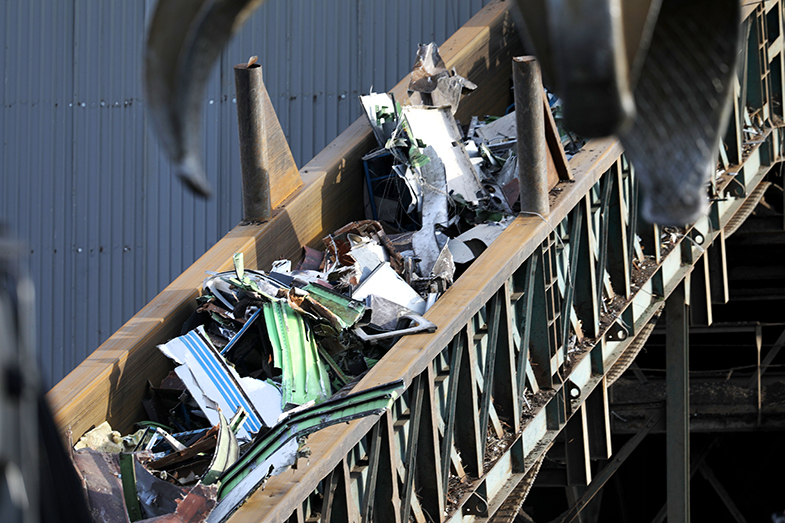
(83, 180)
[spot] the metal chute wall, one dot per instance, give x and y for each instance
(82, 178)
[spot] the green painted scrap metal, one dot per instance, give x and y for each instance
(301, 422)
(296, 354)
(227, 451)
(128, 478)
(346, 311)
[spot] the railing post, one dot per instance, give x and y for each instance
(250, 122)
(530, 125)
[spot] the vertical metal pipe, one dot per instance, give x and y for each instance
(530, 127)
(677, 439)
(253, 152)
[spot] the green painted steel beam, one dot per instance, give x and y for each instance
(295, 352)
(301, 422)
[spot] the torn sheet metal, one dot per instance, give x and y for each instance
(340, 376)
(301, 278)
(156, 496)
(100, 474)
(385, 191)
(508, 172)
(193, 508)
(229, 290)
(339, 242)
(388, 317)
(187, 465)
(486, 232)
(281, 266)
(368, 258)
(500, 130)
(170, 440)
(428, 68)
(444, 267)
(346, 310)
(221, 289)
(418, 325)
(403, 243)
(385, 313)
(311, 261)
(237, 421)
(512, 192)
(159, 442)
(164, 502)
(238, 259)
(278, 460)
(255, 466)
(355, 250)
(368, 254)
(449, 88)
(385, 282)
(435, 126)
(304, 376)
(469, 245)
(380, 111)
(413, 186)
(497, 199)
(214, 384)
(227, 451)
(212, 308)
(128, 479)
(435, 211)
(250, 322)
(432, 82)
(301, 302)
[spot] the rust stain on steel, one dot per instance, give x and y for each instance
(338, 244)
(100, 474)
(193, 508)
(312, 259)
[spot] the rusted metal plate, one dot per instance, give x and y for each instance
(100, 472)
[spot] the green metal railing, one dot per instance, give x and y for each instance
(528, 335)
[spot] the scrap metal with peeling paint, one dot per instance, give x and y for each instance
(534, 321)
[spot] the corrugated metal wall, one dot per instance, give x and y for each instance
(83, 181)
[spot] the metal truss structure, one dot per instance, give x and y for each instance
(531, 336)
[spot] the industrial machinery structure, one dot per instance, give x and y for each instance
(514, 386)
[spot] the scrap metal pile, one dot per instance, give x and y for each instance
(270, 357)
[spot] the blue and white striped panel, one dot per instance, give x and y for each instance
(232, 394)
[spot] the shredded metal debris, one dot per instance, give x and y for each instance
(278, 352)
